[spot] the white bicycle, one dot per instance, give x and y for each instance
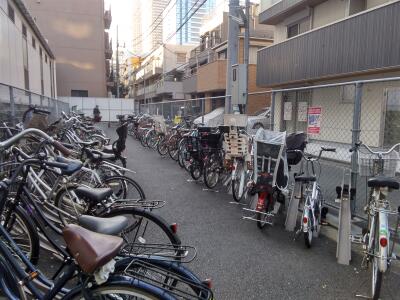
(381, 166)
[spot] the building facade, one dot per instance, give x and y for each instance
(320, 42)
(147, 26)
(205, 73)
(159, 77)
(76, 32)
(26, 60)
(187, 16)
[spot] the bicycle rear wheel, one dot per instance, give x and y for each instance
(377, 275)
(173, 146)
(212, 171)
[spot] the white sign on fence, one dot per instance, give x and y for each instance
(287, 111)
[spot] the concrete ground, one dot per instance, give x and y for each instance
(243, 261)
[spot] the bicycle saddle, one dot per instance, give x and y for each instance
(111, 226)
(73, 165)
(94, 194)
(384, 182)
(303, 178)
(91, 250)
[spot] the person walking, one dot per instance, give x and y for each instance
(96, 114)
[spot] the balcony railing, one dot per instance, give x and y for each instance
(107, 19)
(348, 47)
(212, 76)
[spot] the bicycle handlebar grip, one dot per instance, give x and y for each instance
(328, 149)
(61, 148)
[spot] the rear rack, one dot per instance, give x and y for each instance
(149, 204)
(168, 279)
(165, 252)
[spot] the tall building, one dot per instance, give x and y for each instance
(75, 31)
(147, 27)
(26, 59)
(186, 17)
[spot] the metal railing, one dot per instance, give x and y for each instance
(15, 101)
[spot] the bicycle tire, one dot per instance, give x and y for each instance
(196, 171)
(162, 147)
(212, 168)
(376, 274)
(117, 285)
(123, 193)
(236, 183)
(20, 215)
(173, 150)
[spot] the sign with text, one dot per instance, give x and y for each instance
(314, 120)
(302, 111)
(287, 111)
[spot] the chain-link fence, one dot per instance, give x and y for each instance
(333, 115)
(14, 102)
(338, 115)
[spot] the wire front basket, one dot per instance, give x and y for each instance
(370, 165)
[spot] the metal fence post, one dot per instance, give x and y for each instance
(30, 98)
(12, 105)
(355, 139)
(203, 109)
(272, 111)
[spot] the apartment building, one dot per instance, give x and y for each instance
(75, 30)
(147, 25)
(159, 77)
(26, 60)
(330, 41)
(188, 17)
(205, 74)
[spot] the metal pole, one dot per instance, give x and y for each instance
(355, 139)
(203, 109)
(247, 52)
(272, 112)
(117, 64)
(12, 105)
(233, 33)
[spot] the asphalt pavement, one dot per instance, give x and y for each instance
(243, 261)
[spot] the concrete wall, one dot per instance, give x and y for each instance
(11, 54)
(75, 30)
(328, 12)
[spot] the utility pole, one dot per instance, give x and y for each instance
(117, 64)
(233, 33)
(247, 52)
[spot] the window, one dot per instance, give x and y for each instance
(298, 28)
(79, 93)
(33, 43)
(180, 58)
(223, 54)
(11, 13)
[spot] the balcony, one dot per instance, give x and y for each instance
(107, 19)
(275, 11)
(110, 82)
(212, 77)
(170, 87)
(107, 46)
(348, 47)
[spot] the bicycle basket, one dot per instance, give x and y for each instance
(295, 141)
(38, 121)
(370, 165)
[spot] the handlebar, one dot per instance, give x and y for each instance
(11, 141)
(311, 158)
(359, 144)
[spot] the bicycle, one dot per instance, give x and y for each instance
(312, 195)
(381, 167)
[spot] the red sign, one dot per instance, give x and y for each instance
(314, 120)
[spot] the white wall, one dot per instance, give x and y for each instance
(11, 54)
(109, 107)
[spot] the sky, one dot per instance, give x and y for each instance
(122, 11)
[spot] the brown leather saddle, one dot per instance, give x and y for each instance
(91, 250)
